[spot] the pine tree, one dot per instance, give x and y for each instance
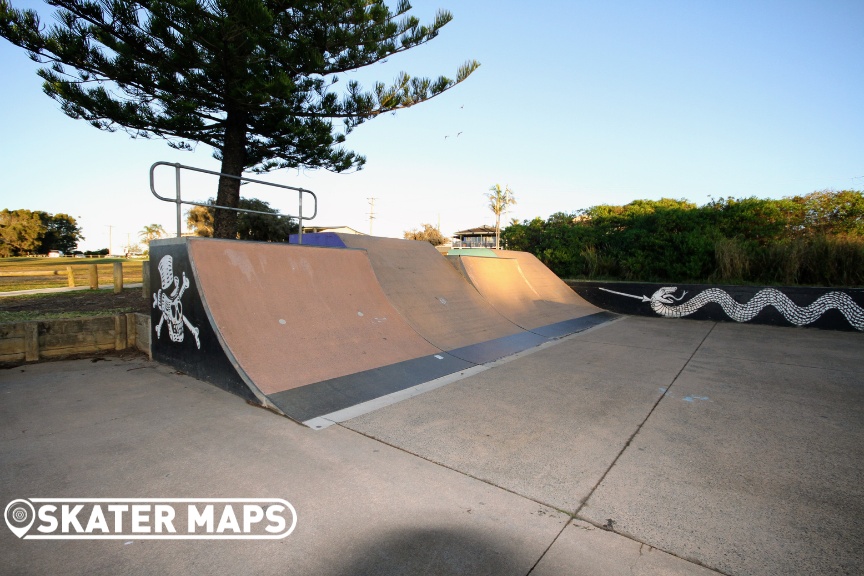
(256, 80)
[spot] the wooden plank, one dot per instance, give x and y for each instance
(14, 330)
(54, 341)
(120, 338)
(83, 349)
(118, 277)
(77, 325)
(33, 273)
(131, 330)
(31, 341)
(143, 333)
(12, 346)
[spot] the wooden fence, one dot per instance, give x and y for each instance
(69, 272)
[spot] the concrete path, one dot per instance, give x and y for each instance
(645, 446)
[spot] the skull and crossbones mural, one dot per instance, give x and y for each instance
(169, 303)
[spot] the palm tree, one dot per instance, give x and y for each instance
(152, 232)
(499, 202)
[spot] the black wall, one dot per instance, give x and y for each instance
(802, 296)
(209, 362)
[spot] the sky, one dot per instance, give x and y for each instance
(575, 104)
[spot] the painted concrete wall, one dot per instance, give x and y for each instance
(825, 308)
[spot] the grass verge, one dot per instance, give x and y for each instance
(132, 272)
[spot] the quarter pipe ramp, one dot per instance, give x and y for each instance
(312, 330)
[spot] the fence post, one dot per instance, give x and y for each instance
(31, 341)
(131, 330)
(70, 277)
(145, 279)
(121, 339)
(118, 277)
(94, 276)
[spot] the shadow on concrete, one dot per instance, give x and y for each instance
(435, 551)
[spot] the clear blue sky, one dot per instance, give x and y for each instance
(575, 104)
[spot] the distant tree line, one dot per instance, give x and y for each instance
(25, 232)
(813, 239)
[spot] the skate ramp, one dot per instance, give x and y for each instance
(544, 282)
(532, 297)
(306, 330)
(435, 300)
(324, 306)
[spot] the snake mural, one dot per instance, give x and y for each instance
(663, 302)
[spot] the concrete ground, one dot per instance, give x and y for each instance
(644, 446)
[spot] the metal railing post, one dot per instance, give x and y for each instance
(179, 209)
(300, 220)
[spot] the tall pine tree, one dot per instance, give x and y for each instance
(254, 79)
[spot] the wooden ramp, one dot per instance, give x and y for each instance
(437, 301)
(306, 330)
(309, 331)
(532, 296)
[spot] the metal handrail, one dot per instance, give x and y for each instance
(179, 201)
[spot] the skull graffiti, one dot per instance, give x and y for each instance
(170, 305)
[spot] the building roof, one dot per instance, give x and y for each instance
(480, 231)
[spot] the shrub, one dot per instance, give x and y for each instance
(814, 239)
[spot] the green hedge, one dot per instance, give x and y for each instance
(814, 239)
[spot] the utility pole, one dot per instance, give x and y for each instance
(371, 213)
(110, 242)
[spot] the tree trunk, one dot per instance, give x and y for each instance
(233, 162)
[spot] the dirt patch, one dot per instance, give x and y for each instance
(68, 304)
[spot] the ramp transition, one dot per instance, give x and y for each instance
(526, 292)
(310, 330)
(436, 301)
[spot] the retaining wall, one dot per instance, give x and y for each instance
(37, 340)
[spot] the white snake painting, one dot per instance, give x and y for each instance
(663, 303)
